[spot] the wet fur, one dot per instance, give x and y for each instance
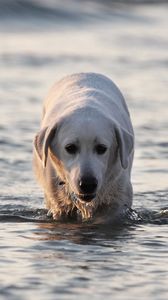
(114, 197)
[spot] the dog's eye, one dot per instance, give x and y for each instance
(100, 149)
(71, 148)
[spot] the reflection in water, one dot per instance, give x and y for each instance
(40, 44)
(81, 234)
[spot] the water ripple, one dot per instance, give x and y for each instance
(132, 217)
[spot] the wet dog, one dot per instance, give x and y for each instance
(83, 152)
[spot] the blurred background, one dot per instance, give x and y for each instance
(41, 41)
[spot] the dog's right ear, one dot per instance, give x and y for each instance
(42, 142)
(125, 141)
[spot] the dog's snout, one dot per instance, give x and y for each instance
(87, 185)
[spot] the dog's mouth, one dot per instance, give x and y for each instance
(86, 197)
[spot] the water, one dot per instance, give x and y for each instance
(39, 43)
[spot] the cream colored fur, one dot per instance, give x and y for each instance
(86, 109)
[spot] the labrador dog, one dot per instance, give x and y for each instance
(83, 152)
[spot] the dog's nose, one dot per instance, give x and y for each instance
(87, 185)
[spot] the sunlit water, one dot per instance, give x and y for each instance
(40, 259)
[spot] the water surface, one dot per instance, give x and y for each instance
(40, 43)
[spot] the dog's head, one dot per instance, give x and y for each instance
(83, 148)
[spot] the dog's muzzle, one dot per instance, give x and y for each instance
(84, 197)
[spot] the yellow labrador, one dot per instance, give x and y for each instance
(84, 151)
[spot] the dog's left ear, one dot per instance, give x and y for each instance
(42, 141)
(125, 141)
